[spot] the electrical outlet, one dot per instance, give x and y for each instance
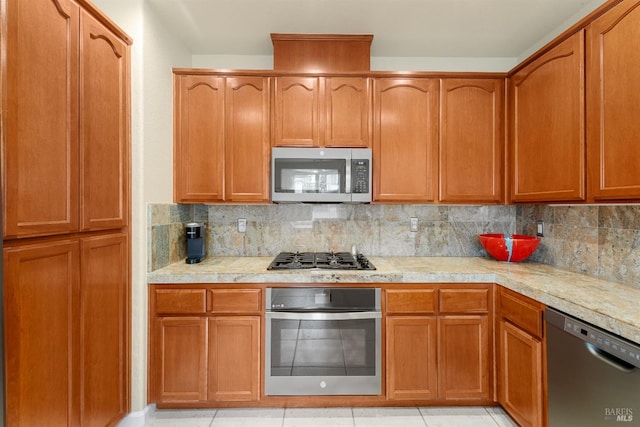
(540, 228)
(242, 225)
(413, 224)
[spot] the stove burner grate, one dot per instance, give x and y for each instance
(320, 260)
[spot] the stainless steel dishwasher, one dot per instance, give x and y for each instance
(593, 375)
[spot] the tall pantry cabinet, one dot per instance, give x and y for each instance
(65, 85)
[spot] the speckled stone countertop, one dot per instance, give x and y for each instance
(612, 306)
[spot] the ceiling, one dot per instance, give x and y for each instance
(401, 28)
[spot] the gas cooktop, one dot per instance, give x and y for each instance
(320, 260)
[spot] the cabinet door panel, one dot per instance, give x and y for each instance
(411, 358)
(104, 296)
(464, 358)
(614, 105)
(465, 300)
(181, 359)
(405, 139)
(411, 301)
(547, 126)
(104, 127)
(522, 311)
(198, 138)
(347, 111)
(297, 112)
(40, 118)
(41, 288)
(471, 140)
(520, 375)
(180, 301)
(246, 301)
(247, 144)
(234, 358)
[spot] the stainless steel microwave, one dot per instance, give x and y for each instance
(323, 175)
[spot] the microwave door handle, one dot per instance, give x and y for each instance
(347, 183)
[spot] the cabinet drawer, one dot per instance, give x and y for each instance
(235, 301)
(464, 300)
(411, 301)
(181, 301)
(522, 311)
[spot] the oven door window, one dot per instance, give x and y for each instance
(310, 176)
(323, 347)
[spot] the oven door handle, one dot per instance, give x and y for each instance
(354, 315)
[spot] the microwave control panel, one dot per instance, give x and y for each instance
(360, 175)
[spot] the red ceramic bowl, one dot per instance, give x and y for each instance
(514, 248)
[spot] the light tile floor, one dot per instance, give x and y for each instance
(333, 417)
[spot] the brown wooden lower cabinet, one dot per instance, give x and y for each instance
(234, 358)
(439, 344)
(66, 323)
(198, 356)
(411, 357)
(521, 359)
(181, 347)
(464, 358)
(41, 291)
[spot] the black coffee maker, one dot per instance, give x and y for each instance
(195, 242)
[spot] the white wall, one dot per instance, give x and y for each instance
(153, 53)
(265, 62)
(586, 10)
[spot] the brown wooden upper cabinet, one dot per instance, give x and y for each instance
(322, 112)
(198, 138)
(221, 138)
(405, 145)
(613, 108)
(104, 127)
(471, 162)
(65, 161)
(547, 126)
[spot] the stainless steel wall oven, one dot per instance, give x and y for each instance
(323, 341)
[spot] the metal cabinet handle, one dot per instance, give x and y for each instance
(323, 316)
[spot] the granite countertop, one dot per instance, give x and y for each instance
(612, 306)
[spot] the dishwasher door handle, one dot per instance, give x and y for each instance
(609, 359)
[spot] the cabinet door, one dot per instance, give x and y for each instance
(41, 311)
(297, 112)
(198, 139)
(104, 312)
(234, 358)
(411, 358)
(247, 144)
(464, 359)
(104, 127)
(546, 116)
(347, 112)
(180, 345)
(405, 140)
(40, 117)
(520, 375)
(471, 141)
(613, 88)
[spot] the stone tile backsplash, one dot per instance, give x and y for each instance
(600, 241)
(376, 230)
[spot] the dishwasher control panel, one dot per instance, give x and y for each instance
(615, 346)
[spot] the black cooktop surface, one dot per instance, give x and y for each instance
(320, 260)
